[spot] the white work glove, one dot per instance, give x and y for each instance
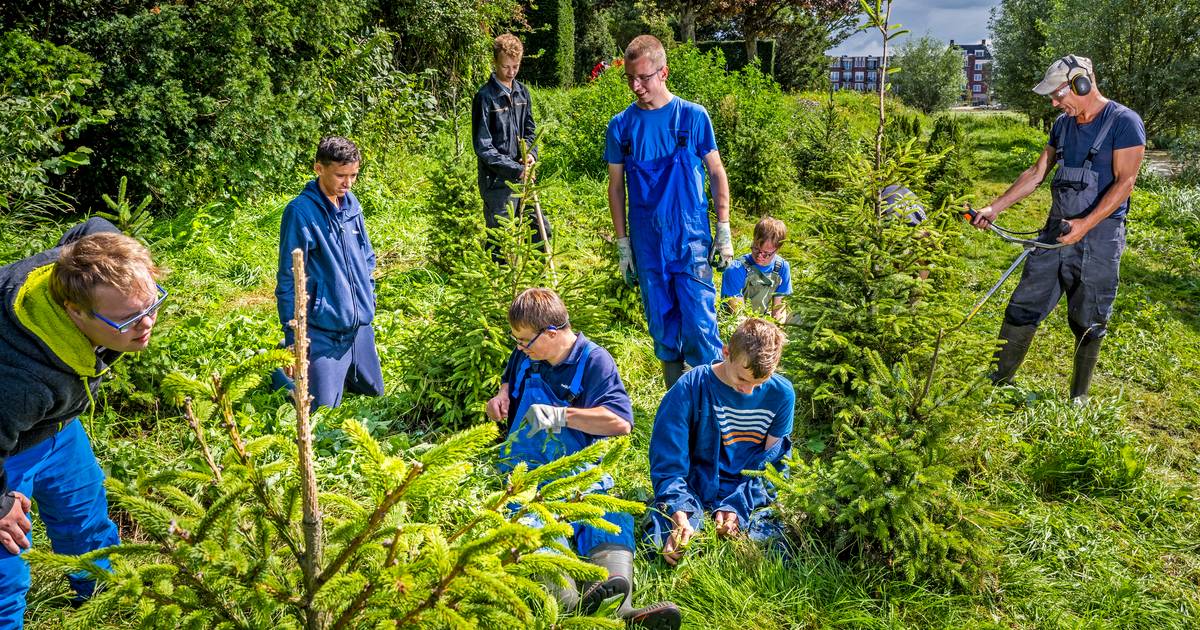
(723, 246)
(545, 418)
(628, 270)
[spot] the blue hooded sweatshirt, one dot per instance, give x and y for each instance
(706, 433)
(338, 261)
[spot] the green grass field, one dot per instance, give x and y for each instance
(1097, 555)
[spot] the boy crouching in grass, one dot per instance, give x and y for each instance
(761, 278)
(717, 421)
(559, 394)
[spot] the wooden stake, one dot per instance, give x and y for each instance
(312, 524)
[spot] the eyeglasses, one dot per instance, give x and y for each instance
(759, 252)
(525, 345)
(642, 78)
(1061, 92)
(132, 321)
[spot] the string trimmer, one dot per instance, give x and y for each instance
(1010, 236)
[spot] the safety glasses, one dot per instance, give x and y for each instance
(132, 321)
(525, 345)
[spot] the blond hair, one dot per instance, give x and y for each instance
(105, 259)
(758, 345)
(508, 45)
(646, 46)
(770, 230)
(538, 308)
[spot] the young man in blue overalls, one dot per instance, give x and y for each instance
(560, 393)
(659, 149)
(717, 421)
(1097, 145)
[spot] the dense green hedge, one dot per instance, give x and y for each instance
(735, 53)
(553, 22)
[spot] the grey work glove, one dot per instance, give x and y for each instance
(545, 418)
(723, 247)
(628, 270)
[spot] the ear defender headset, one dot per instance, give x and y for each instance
(1077, 76)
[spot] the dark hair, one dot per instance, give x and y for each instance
(538, 308)
(337, 149)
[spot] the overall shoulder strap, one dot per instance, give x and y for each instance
(518, 384)
(683, 125)
(623, 136)
(577, 380)
(1100, 137)
(1060, 138)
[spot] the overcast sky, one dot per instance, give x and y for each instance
(960, 20)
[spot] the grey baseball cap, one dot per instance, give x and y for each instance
(1060, 71)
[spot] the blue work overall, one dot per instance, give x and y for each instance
(1088, 271)
(671, 238)
(543, 447)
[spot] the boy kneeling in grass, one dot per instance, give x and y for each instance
(717, 421)
(761, 278)
(559, 394)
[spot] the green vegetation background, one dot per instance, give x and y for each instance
(1105, 529)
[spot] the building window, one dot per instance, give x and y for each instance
(872, 63)
(834, 75)
(976, 88)
(979, 65)
(858, 86)
(846, 63)
(858, 75)
(872, 75)
(978, 77)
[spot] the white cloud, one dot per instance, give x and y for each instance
(960, 20)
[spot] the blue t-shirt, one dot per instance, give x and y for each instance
(1127, 131)
(733, 280)
(602, 386)
(745, 421)
(653, 133)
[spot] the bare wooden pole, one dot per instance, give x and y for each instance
(312, 524)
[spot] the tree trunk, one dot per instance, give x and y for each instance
(751, 42)
(687, 22)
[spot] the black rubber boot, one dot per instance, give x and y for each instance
(1009, 357)
(672, 370)
(1087, 354)
(659, 616)
(618, 560)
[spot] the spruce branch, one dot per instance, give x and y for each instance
(381, 512)
(199, 431)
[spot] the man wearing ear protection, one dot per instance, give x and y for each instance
(66, 314)
(1097, 145)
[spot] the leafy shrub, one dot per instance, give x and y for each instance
(43, 111)
(593, 39)
(1186, 151)
(455, 209)
(550, 48)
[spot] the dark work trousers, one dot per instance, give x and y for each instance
(1087, 272)
(337, 363)
(499, 203)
